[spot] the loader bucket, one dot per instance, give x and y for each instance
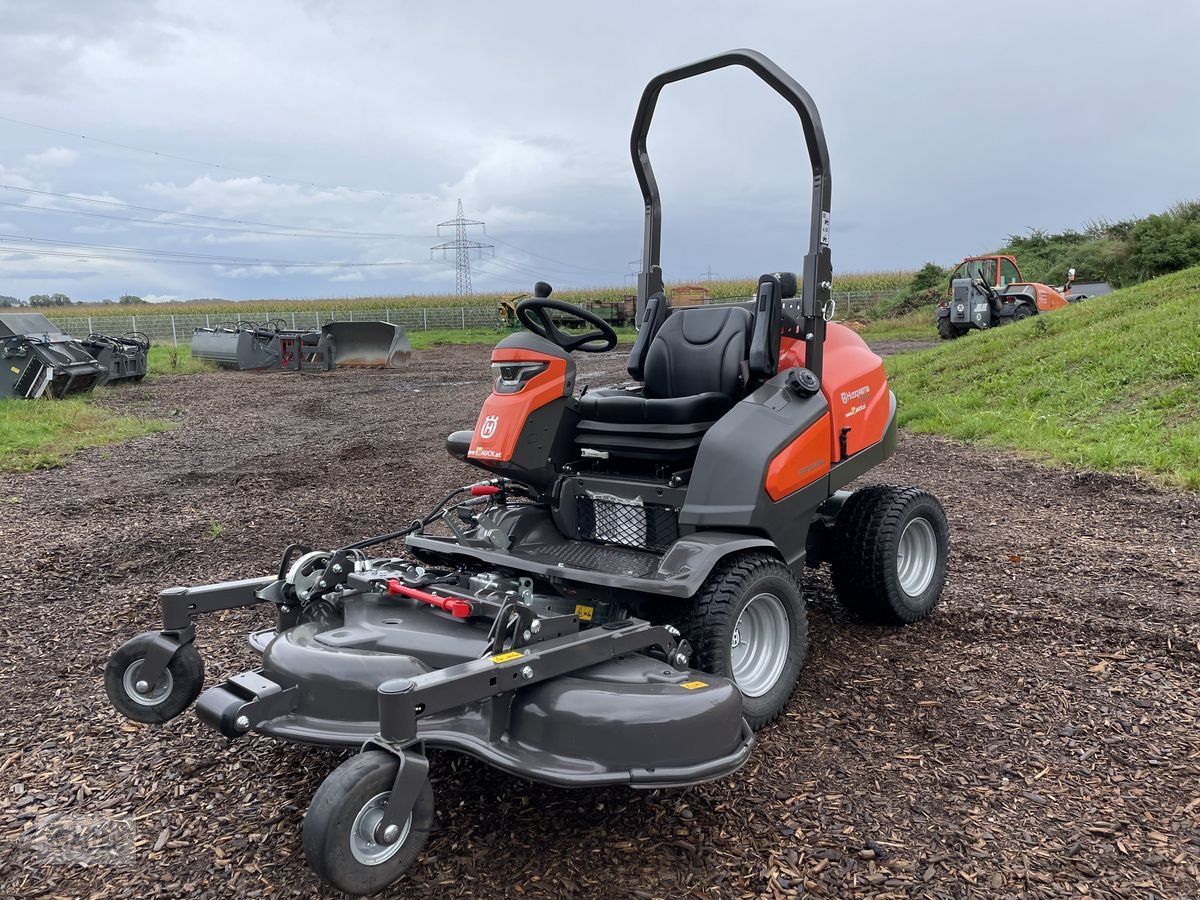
(241, 346)
(217, 345)
(371, 345)
(37, 360)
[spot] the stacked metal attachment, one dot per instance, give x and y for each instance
(123, 356)
(271, 345)
(38, 360)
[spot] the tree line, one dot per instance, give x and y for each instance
(61, 300)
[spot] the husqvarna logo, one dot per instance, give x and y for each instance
(863, 391)
(489, 427)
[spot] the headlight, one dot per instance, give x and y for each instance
(511, 377)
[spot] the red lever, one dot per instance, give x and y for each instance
(484, 490)
(460, 609)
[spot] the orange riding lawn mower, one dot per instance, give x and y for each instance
(987, 291)
(617, 600)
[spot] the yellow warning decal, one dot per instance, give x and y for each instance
(693, 685)
(16, 370)
(584, 612)
(507, 657)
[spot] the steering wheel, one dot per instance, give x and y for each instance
(534, 314)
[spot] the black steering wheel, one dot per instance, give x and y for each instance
(534, 314)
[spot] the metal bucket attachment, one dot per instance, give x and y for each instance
(241, 346)
(370, 345)
(123, 356)
(37, 360)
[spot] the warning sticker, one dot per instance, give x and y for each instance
(16, 370)
(584, 612)
(693, 685)
(507, 657)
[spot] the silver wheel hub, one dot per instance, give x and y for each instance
(363, 845)
(916, 556)
(140, 691)
(758, 648)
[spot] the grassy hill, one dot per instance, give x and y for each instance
(1111, 384)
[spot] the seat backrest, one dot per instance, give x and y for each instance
(652, 318)
(698, 350)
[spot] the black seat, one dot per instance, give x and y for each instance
(694, 372)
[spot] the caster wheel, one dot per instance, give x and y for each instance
(340, 842)
(155, 703)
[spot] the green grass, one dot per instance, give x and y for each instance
(1109, 384)
(38, 434)
(167, 360)
(917, 325)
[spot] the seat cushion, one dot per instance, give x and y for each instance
(633, 409)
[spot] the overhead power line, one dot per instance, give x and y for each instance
(54, 247)
(204, 163)
(317, 232)
(25, 207)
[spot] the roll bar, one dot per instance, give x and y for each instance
(818, 269)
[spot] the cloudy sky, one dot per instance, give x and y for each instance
(194, 149)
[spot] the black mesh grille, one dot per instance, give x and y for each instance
(616, 521)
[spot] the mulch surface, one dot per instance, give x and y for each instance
(1038, 736)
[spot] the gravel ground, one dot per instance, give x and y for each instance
(1037, 736)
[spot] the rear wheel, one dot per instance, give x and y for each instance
(946, 330)
(890, 550)
(1021, 312)
(748, 624)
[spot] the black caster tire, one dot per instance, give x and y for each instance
(749, 624)
(175, 691)
(891, 545)
(338, 828)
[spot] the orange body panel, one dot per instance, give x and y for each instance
(801, 462)
(503, 415)
(854, 384)
(1047, 297)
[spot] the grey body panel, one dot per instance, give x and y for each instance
(542, 551)
(1081, 290)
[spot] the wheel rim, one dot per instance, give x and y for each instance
(758, 648)
(156, 695)
(363, 845)
(916, 556)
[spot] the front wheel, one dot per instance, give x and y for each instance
(135, 698)
(891, 545)
(341, 842)
(946, 330)
(748, 624)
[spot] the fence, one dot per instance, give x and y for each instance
(177, 328)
